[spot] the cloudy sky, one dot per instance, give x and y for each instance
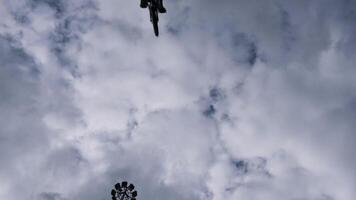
(236, 100)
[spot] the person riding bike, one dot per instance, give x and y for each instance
(161, 8)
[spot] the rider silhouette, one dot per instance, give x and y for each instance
(161, 8)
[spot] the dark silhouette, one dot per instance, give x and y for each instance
(161, 8)
(124, 191)
(155, 7)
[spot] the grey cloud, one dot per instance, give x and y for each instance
(50, 196)
(235, 100)
(26, 140)
(58, 6)
(22, 134)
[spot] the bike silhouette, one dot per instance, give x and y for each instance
(154, 7)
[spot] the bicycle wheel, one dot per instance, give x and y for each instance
(155, 28)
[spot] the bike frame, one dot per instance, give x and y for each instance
(153, 9)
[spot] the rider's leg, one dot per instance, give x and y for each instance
(143, 4)
(161, 8)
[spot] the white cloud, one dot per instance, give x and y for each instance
(235, 100)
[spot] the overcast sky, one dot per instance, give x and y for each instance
(236, 100)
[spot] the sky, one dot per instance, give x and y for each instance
(235, 100)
